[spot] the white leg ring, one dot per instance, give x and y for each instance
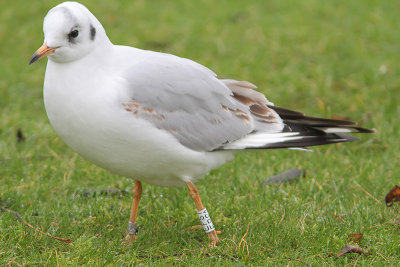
(205, 219)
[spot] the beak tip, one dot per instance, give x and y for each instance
(34, 58)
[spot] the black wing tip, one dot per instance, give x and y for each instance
(295, 117)
(314, 141)
(307, 141)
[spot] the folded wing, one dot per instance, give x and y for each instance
(205, 113)
(188, 101)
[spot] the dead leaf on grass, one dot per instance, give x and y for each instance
(351, 249)
(20, 136)
(104, 192)
(356, 237)
(286, 176)
(393, 196)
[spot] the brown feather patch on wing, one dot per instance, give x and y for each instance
(141, 111)
(258, 105)
(238, 113)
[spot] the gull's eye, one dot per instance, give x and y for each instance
(73, 34)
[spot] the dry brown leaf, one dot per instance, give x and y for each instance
(393, 196)
(356, 237)
(352, 249)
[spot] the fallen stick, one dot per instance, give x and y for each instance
(34, 228)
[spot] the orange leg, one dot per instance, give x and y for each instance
(132, 227)
(194, 194)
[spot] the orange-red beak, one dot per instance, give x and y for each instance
(43, 51)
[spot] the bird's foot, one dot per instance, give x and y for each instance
(213, 237)
(133, 229)
(129, 239)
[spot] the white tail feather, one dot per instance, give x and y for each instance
(262, 139)
(337, 129)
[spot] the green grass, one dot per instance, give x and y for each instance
(321, 57)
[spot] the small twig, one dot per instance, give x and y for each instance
(366, 192)
(34, 228)
(283, 216)
(381, 256)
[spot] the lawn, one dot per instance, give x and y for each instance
(325, 58)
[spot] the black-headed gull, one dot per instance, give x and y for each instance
(158, 118)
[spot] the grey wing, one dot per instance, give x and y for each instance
(187, 100)
(207, 114)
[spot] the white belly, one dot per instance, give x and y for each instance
(95, 125)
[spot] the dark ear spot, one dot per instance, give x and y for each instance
(92, 32)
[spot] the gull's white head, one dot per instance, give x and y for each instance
(71, 32)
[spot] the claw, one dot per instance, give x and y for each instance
(214, 240)
(129, 239)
